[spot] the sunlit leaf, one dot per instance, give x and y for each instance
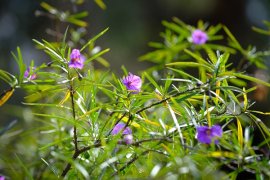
(101, 4)
(221, 154)
(6, 95)
(239, 133)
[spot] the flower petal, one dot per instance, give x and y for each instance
(216, 130)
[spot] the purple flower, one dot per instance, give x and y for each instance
(207, 135)
(76, 59)
(119, 127)
(128, 139)
(2, 178)
(199, 37)
(127, 132)
(29, 74)
(132, 82)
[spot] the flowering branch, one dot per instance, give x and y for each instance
(76, 61)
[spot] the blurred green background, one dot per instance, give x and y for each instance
(132, 25)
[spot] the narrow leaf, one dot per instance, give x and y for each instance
(190, 64)
(250, 78)
(94, 39)
(5, 96)
(240, 133)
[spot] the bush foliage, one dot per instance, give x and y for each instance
(72, 112)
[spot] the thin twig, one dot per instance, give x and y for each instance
(117, 122)
(130, 162)
(165, 99)
(75, 139)
(151, 139)
(77, 153)
(98, 144)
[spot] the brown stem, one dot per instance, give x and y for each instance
(131, 161)
(151, 139)
(76, 154)
(75, 138)
(98, 144)
(165, 99)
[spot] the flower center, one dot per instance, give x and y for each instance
(76, 59)
(200, 37)
(208, 132)
(129, 83)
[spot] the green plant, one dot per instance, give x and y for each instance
(74, 110)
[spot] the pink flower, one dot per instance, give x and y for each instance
(29, 74)
(132, 82)
(128, 139)
(76, 59)
(2, 178)
(199, 37)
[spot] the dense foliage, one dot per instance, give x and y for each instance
(187, 117)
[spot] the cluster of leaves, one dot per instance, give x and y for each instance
(65, 14)
(74, 112)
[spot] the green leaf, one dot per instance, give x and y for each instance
(101, 4)
(54, 143)
(238, 82)
(27, 172)
(21, 65)
(95, 56)
(262, 127)
(236, 44)
(214, 29)
(220, 64)
(196, 56)
(8, 78)
(184, 74)
(51, 167)
(152, 81)
(246, 77)
(65, 37)
(79, 15)
(190, 64)
(211, 54)
(50, 50)
(94, 39)
(47, 105)
(82, 170)
(77, 22)
(220, 48)
(103, 62)
(49, 8)
(261, 31)
(175, 28)
(178, 21)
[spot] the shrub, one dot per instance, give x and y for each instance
(166, 122)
